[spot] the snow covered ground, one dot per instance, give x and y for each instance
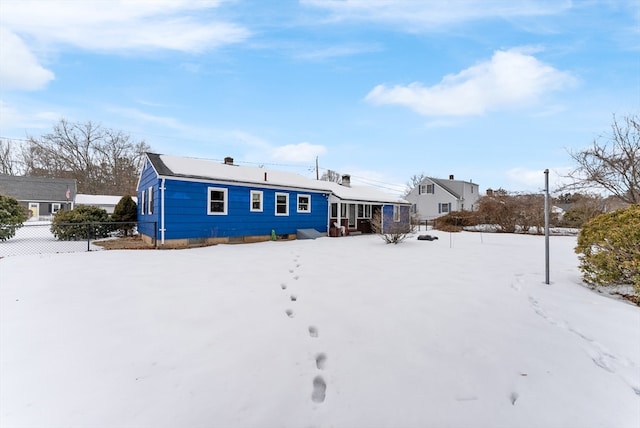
(333, 332)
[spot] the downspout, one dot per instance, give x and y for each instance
(328, 212)
(162, 211)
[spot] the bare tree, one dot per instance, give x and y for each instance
(414, 181)
(9, 158)
(332, 176)
(612, 162)
(103, 161)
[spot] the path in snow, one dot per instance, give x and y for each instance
(319, 390)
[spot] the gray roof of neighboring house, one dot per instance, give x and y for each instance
(452, 186)
(37, 189)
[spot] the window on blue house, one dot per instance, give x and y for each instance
(282, 204)
(142, 205)
(304, 203)
(217, 201)
(396, 213)
(150, 200)
(256, 201)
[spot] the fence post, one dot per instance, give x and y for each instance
(88, 236)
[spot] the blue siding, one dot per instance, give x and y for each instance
(186, 215)
(147, 222)
(389, 223)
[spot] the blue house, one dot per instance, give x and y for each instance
(187, 201)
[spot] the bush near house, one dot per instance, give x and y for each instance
(125, 211)
(609, 248)
(12, 215)
(394, 233)
(455, 221)
(83, 222)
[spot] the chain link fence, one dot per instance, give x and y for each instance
(43, 237)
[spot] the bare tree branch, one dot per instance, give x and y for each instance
(612, 163)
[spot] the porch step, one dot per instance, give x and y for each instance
(308, 234)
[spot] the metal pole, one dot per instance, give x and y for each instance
(546, 225)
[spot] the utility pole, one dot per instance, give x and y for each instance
(546, 225)
(317, 172)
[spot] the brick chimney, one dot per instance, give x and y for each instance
(451, 177)
(228, 160)
(346, 180)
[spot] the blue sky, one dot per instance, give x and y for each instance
(490, 91)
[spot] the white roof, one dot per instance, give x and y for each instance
(215, 170)
(82, 199)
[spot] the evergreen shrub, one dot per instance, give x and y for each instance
(83, 222)
(12, 215)
(609, 248)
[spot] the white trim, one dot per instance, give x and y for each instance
(308, 210)
(142, 202)
(225, 202)
(150, 200)
(162, 189)
(396, 213)
(286, 195)
(251, 208)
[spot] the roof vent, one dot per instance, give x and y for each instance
(451, 177)
(346, 180)
(228, 160)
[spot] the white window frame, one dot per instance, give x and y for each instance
(150, 200)
(286, 196)
(142, 203)
(441, 207)
(55, 207)
(396, 213)
(261, 199)
(225, 202)
(308, 209)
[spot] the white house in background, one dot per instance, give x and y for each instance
(106, 202)
(435, 197)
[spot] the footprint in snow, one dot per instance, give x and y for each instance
(283, 286)
(321, 361)
(294, 297)
(289, 313)
(313, 331)
(319, 390)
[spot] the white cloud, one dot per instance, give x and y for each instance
(301, 152)
(510, 79)
(13, 120)
(19, 68)
(432, 14)
(123, 25)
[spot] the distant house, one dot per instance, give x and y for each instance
(435, 197)
(186, 201)
(42, 197)
(106, 202)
